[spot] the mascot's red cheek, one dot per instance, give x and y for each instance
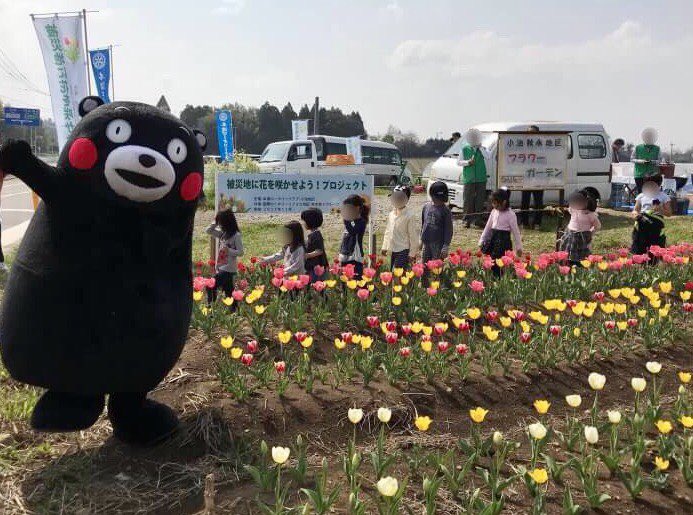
(83, 154)
(191, 187)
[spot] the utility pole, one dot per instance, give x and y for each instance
(316, 116)
(86, 48)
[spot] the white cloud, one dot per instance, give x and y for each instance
(232, 7)
(487, 54)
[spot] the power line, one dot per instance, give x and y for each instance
(11, 69)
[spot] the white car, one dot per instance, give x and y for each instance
(588, 160)
(381, 160)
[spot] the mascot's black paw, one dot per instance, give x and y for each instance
(63, 412)
(13, 152)
(137, 420)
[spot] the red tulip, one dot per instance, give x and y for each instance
(689, 285)
(300, 336)
(242, 284)
(418, 269)
(280, 367)
(391, 337)
(492, 316)
(463, 327)
(477, 286)
(563, 270)
(373, 321)
(443, 346)
(555, 330)
(254, 260)
(349, 271)
(347, 337)
(406, 329)
(520, 315)
(391, 325)
(252, 346)
(304, 280)
(632, 322)
(247, 359)
(609, 324)
(687, 307)
(599, 296)
(462, 349)
(571, 303)
(319, 270)
(525, 337)
(405, 352)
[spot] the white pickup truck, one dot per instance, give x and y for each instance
(379, 159)
(588, 160)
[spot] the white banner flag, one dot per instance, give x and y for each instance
(353, 145)
(62, 45)
(299, 130)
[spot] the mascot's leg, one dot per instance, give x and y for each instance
(140, 421)
(63, 412)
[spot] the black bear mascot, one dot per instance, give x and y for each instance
(99, 298)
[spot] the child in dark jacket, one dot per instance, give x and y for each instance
(355, 210)
(316, 258)
(436, 226)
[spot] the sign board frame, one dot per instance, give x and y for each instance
(500, 158)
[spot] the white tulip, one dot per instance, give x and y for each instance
(355, 415)
(384, 415)
(614, 416)
(497, 438)
(387, 486)
(573, 401)
(596, 381)
(638, 384)
(537, 430)
(591, 434)
(653, 367)
(280, 454)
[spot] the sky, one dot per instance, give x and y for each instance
(430, 67)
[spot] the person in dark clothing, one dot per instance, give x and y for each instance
(436, 228)
(538, 204)
(616, 148)
(315, 244)
(355, 211)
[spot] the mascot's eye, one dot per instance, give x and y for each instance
(118, 131)
(177, 151)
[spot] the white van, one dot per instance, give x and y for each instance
(381, 160)
(589, 158)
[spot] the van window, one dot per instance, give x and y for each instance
(300, 151)
(335, 149)
(591, 146)
(319, 147)
(380, 156)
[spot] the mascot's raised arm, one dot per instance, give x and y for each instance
(99, 298)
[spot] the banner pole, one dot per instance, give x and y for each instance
(86, 49)
(110, 63)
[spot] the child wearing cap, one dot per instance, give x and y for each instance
(402, 232)
(436, 227)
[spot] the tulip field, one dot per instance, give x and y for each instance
(437, 390)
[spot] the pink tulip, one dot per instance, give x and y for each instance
(276, 282)
(319, 270)
(477, 286)
(431, 291)
(363, 293)
(278, 273)
(319, 286)
(237, 295)
(369, 273)
(386, 277)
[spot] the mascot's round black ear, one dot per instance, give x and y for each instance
(88, 104)
(201, 138)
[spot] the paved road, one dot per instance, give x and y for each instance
(16, 210)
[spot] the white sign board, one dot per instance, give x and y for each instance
(288, 193)
(62, 46)
(532, 161)
(353, 145)
(299, 130)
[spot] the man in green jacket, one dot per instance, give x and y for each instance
(473, 159)
(646, 157)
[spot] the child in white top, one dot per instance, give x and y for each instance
(293, 253)
(496, 240)
(584, 222)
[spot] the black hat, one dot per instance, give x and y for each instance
(439, 191)
(402, 188)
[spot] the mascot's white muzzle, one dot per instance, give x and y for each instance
(139, 173)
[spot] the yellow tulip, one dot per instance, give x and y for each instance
(461, 274)
(307, 342)
(615, 293)
(427, 330)
(435, 285)
(236, 352)
(398, 272)
(492, 335)
(457, 284)
(622, 325)
(642, 313)
(397, 288)
(665, 287)
(586, 263)
(661, 463)
(576, 332)
(588, 313)
(663, 313)
(226, 342)
(352, 284)
(366, 342)
(578, 309)
(423, 423)
(227, 301)
(396, 301)
(339, 343)
(656, 303)
(499, 263)
(259, 309)
(542, 406)
(426, 345)
(197, 296)
(204, 310)
(478, 414)
(684, 377)
(620, 308)
(634, 299)
(603, 266)
(416, 327)
(505, 321)
(607, 307)
(526, 328)
(664, 426)
(539, 475)
(404, 281)
(473, 313)
(685, 295)
(330, 283)
(528, 275)
(284, 337)
(686, 421)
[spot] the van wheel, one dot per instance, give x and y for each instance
(594, 192)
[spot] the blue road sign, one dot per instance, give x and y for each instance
(22, 116)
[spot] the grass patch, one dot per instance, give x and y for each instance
(17, 402)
